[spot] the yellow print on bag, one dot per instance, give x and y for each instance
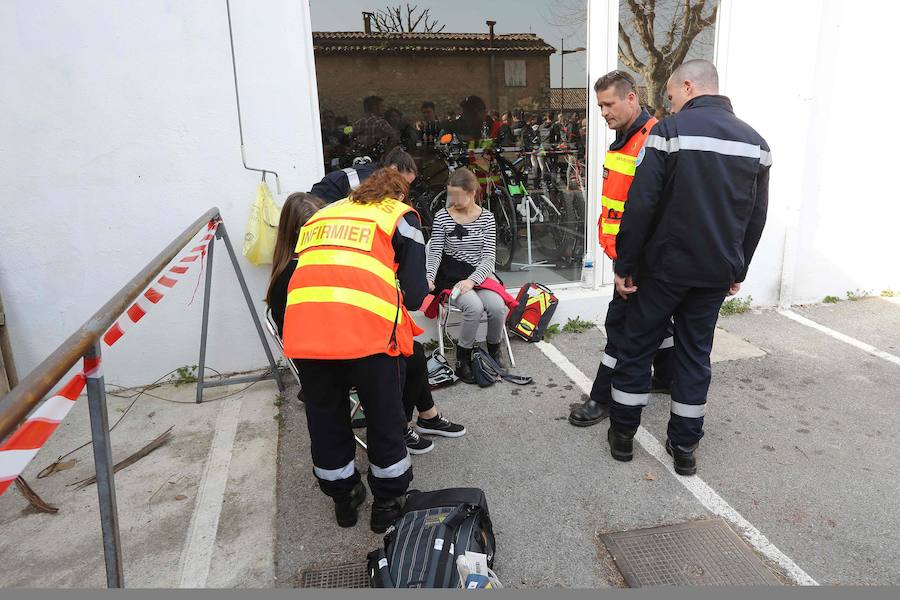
(347, 233)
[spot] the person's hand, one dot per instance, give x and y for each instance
(430, 286)
(734, 289)
(625, 286)
(466, 285)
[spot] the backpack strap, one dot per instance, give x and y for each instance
(491, 366)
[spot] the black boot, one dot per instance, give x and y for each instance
(496, 353)
(384, 512)
(346, 509)
(685, 463)
(589, 413)
(464, 364)
(621, 444)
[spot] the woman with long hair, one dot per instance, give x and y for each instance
(297, 210)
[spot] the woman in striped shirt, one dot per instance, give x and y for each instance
(462, 254)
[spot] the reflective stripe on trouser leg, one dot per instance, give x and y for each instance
(345, 472)
(395, 470)
(689, 411)
(609, 361)
(629, 399)
(600, 390)
(669, 342)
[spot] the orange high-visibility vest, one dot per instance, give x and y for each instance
(344, 300)
(618, 172)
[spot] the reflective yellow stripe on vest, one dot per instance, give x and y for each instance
(610, 228)
(373, 304)
(346, 258)
(385, 213)
(617, 205)
(620, 163)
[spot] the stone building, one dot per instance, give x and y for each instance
(507, 70)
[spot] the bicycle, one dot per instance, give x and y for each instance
(456, 154)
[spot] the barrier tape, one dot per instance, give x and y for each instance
(154, 294)
(25, 442)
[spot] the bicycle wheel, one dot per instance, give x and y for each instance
(556, 234)
(501, 205)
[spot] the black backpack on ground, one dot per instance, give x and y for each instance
(421, 547)
(487, 372)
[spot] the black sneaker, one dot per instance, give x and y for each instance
(440, 425)
(346, 509)
(416, 444)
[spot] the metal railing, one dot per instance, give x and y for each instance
(85, 343)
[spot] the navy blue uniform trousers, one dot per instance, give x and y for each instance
(647, 315)
(379, 381)
(663, 359)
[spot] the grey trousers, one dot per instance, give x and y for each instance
(473, 305)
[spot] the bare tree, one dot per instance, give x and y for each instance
(392, 19)
(660, 59)
(654, 38)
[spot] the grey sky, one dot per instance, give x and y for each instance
(469, 16)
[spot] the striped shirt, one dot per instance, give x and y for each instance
(474, 243)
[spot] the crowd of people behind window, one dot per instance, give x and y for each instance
(380, 129)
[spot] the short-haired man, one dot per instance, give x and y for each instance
(696, 211)
(618, 102)
(430, 126)
(373, 129)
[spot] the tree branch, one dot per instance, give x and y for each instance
(643, 25)
(627, 53)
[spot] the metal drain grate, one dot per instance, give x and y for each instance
(697, 553)
(346, 576)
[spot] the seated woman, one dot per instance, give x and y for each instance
(297, 210)
(462, 254)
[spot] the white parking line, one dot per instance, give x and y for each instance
(201, 540)
(699, 488)
(842, 337)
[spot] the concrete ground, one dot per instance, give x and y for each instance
(801, 441)
(197, 512)
(801, 444)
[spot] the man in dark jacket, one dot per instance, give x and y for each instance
(337, 185)
(696, 211)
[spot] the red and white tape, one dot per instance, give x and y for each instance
(25, 442)
(155, 293)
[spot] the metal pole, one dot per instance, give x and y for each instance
(259, 330)
(562, 75)
(204, 328)
(103, 465)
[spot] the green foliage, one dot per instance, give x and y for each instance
(736, 306)
(889, 293)
(185, 375)
(857, 294)
(551, 331)
(577, 325)
(279, 400)
(831, 300)
(430, 346)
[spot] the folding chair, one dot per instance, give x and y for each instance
(445, 309)
(354, 399)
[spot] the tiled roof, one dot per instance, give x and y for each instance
(572, 98)
(357, 41)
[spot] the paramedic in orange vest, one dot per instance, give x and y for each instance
(618, 102)
(360, 268)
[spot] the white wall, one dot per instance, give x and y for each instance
(119, 129)
(814, 79)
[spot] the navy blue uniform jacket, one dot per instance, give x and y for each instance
(697, 205)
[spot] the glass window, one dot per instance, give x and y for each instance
(499, 88)
(515, 73)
